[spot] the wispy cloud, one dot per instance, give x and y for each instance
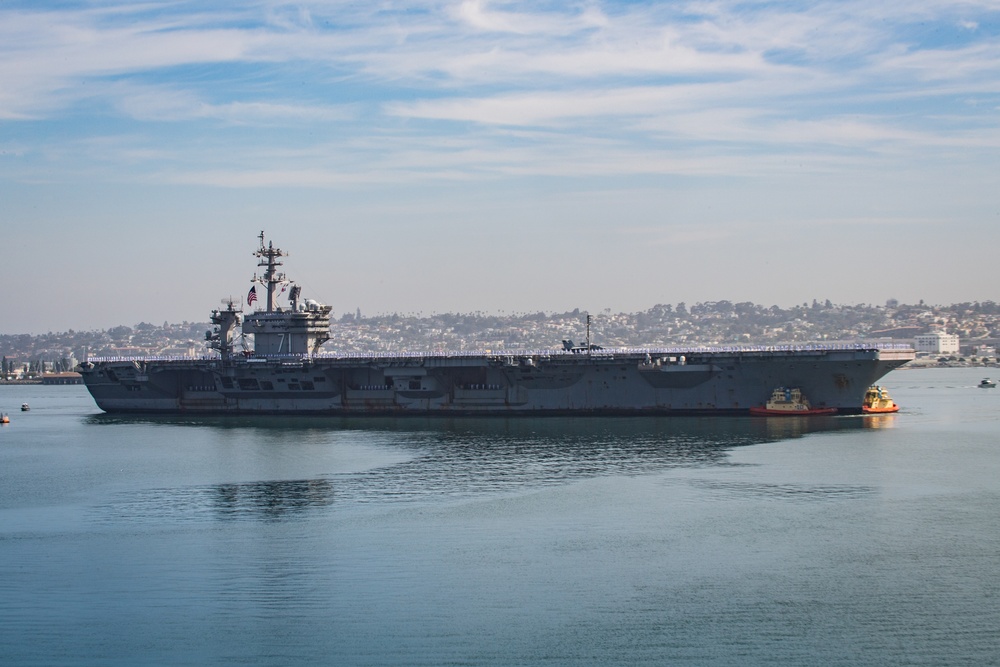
(162, 103)
(698, 123)
(646, 80)
(485, 16)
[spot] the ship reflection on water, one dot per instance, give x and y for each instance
(786, 428)
(269, 500)
(436, 457)
(879, 421)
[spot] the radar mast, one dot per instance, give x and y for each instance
(269, 261)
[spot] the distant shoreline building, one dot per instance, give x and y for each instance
(62, 378)
(936, 343)
(897, 333)
(985, 351)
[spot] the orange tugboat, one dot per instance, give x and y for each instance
(789, 401)
(878, 401)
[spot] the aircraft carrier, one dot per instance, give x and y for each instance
(281, 370)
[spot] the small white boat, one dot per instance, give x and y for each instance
(24, 407)
(987, 383)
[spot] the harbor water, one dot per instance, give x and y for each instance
(432, 541)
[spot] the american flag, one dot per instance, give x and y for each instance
(252, 295)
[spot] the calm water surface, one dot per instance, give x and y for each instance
(729, 541)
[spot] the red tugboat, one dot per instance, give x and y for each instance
(789, 402)
(878, 401)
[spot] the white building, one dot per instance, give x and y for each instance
(936, 343)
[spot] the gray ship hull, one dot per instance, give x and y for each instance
(692, 381)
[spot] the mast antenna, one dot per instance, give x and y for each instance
(268, 256)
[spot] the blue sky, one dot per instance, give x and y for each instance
(495, 156)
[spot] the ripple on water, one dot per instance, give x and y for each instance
(795, 492)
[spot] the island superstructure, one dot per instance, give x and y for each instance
(270, 362)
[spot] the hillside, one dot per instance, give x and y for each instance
(710, 323)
